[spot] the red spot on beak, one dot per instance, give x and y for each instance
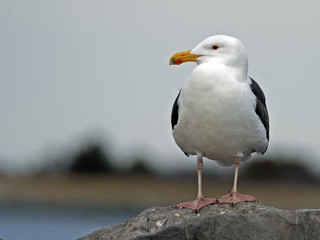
(178, 61)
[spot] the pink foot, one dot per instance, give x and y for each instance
(235, 197)
(197, 204)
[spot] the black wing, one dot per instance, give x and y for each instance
(175, 115)
(175, 112)
(261, 107)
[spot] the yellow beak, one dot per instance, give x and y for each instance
(182, 57)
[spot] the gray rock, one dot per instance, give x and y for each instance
(219, 221)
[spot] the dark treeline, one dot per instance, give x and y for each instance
(93, 158)
(278, 169)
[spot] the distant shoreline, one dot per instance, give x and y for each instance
(145, 191)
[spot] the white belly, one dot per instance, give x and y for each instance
(217, 119)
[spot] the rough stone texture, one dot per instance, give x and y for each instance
(219, 221)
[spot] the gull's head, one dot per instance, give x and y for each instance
(220, 49)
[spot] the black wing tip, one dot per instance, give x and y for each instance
(261, 107)
(175, 112)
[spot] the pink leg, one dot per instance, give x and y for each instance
(234, 197)
(200, 201)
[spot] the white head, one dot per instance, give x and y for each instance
(219, 49)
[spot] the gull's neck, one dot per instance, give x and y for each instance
(238, 68)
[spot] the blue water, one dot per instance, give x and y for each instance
(55, 222)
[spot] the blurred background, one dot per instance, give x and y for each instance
(85, 102)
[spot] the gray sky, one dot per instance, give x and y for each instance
(69, 68)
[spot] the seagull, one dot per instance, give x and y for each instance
(220, 112)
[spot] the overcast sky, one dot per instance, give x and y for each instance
(72, 68)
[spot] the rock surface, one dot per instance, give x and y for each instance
(219, 221)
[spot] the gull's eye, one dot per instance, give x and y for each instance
(215, 47)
